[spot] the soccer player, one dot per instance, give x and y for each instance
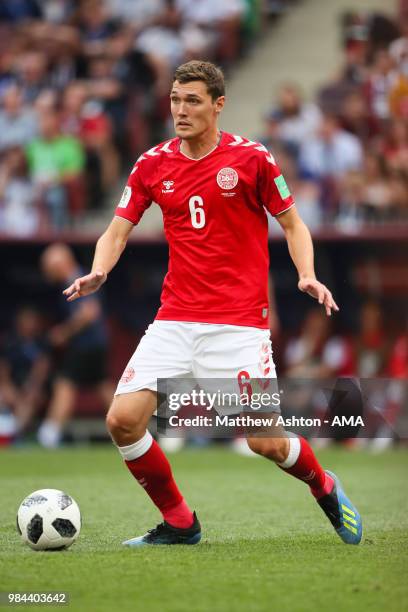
(213, 189)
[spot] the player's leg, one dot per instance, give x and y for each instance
(59, 412)
(295, 456)
(301, 462)
(127, 422)
(163, 352)
(246, 353)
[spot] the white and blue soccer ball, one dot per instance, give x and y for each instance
(49, 519)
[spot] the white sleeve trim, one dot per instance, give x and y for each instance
(282, 211)
(124, 219)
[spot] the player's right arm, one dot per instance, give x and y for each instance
(108, 250)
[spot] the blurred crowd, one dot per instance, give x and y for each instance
(84, 89)
(345, 154)
(47, 358)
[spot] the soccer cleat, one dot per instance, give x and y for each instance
(342, 514)
(166, 534)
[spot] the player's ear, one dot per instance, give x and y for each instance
(219, 104)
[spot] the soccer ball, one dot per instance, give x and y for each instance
(48, 519)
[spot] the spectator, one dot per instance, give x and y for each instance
(395, 145)
(219, 22)
(18, 123)
(18, 212)
(371, 347)
(171, 40)
(58, 11)
(399, 91)
(399, 194)
(317, 354)
(355, 117)
(376, 192)
(63, 47)
(391, 395)
(381, 78)
(84, 119)
(350, 213)
(326, 158)
(82, 336)
(56, 164)
(32, 73)
(331, 152)
(139, 13)
(398, 363)
(96, 27)
(105, 86)
(24, 368)
(20, 10)
(292, 121)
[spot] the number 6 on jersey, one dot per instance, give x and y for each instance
(197, 213)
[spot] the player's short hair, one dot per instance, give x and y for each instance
(197, 70)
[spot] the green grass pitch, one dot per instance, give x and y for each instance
(266, 544)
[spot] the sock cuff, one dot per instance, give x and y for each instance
(293, 455)
(137, 449)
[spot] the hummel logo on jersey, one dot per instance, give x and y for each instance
(168, 186)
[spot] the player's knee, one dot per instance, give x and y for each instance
(122, 423)
(275, 449)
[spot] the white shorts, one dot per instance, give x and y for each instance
(173, 349)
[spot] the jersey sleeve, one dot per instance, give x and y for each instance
(273, 190)
(135, 198)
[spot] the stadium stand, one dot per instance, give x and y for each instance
(102, 70)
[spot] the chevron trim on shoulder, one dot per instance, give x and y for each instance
(153, 152)
(166, 147)
(239, 141)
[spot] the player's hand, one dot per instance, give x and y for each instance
(320, 292)
(85, 285)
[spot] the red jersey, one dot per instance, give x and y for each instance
(216, 226)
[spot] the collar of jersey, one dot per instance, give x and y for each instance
(203, 156)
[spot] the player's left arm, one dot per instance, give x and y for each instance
(301, 251)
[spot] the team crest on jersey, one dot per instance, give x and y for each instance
(227, 178)
(168, 186)
(127, 375)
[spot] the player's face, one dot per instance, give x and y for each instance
(194, 111)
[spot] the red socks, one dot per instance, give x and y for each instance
(149, 465)
(302, 464)
(153, 472)
(179, 516)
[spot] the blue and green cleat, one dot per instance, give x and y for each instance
(342, 514)
(165, 534)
